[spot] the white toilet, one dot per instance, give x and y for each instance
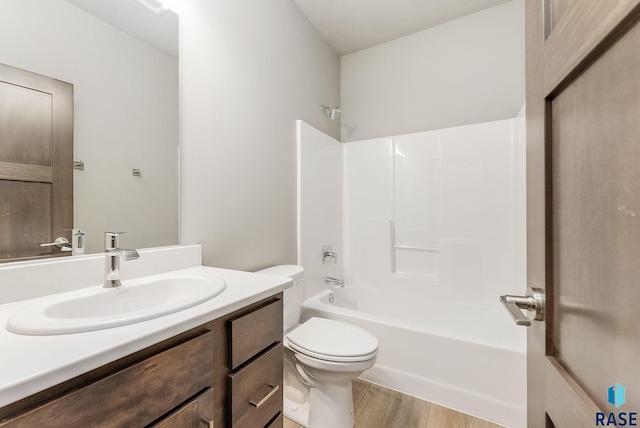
(322, 357)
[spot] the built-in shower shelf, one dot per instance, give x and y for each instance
(412, 275)
(416, 261)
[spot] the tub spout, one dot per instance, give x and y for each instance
(334, 281)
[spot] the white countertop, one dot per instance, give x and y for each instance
(29, 364)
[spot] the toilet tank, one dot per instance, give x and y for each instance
(293, 296)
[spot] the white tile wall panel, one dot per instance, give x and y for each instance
(320, 159)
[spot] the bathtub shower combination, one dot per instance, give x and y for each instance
(429, 231)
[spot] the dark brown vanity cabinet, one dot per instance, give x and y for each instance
(226, 373)
(249, 366)
(132, 396)
(255, 385)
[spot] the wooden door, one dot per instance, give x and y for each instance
(583, 210)
(36, 163)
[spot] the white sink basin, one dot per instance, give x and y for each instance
(97, 308)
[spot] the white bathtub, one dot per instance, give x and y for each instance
(465, 357)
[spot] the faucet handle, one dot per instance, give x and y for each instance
(111, 240)
(328, 256)
(75, 231)
(115, 234)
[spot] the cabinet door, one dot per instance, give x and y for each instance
(197, 413)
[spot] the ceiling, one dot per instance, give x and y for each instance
(161, 32)
(347, 25)
(351, 25)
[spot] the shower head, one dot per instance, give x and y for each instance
(156, 6)
(332, 112)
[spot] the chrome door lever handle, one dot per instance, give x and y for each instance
(60, 242)
(514, 310)
(533, 301)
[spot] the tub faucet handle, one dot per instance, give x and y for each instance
(328, 256)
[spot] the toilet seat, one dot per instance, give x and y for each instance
(333, 341)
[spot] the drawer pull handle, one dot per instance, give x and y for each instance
(208, 422)
(274, 389)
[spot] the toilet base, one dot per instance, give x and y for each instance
(298, 413)
(331, 405)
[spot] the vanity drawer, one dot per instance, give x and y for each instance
(252, 333)
(198, 412)
(255, 391)
(134, 396)
(277, 422)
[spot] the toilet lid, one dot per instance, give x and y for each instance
(333, 340)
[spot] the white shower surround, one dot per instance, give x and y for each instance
(429, 230)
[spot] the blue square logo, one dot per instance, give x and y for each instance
(616, 395)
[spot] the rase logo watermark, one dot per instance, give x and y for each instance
(616, 397)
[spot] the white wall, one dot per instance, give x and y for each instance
(126, 116)
(465, 71)
(248, 70)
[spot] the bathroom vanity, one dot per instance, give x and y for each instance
(216, 364)
(227, 371)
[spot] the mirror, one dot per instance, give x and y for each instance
(122, 60)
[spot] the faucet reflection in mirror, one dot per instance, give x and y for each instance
(113, 253)
(78, 239)
(76, 247)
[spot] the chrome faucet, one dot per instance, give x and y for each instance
(334, 281)
(77, 241)
(112, 258)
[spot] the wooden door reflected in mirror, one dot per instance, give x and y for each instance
(36, 163)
